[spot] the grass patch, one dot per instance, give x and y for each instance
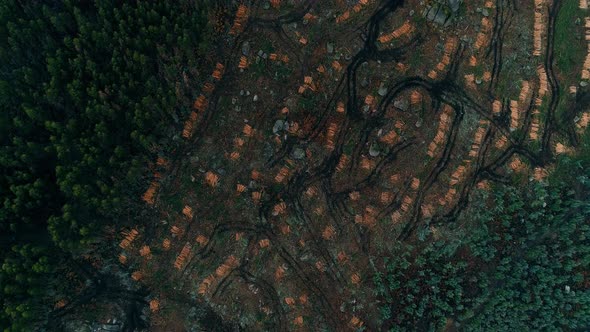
(569, 47)
(569, 50)
(282, 72)
(258, 69)
(267, 46)
(478, 70)
(175, 202)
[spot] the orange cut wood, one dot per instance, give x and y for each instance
(154, 305)
(166, 244)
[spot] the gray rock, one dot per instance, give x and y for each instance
(430, 12)
(583, 83)
(278, 126)
(485, 12)
(246, 48)
(365, 82)
(382, 90)
(437, 14)
(401, 104)
(478, 81)
(255, 98)
(454, 4)
(298, 153)
(110, 327)
(266, 5)
(267, 150)
(260, 52)
(441, 18)
(419, 123)
(374, 150)
(330, 48)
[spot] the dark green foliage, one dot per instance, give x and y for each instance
(541, 255)
(22, 278)
(569, 168)
(423, 286)
(87, 90)
(520, 262)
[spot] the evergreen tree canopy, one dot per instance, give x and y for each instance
(87, 90)
(518, 261)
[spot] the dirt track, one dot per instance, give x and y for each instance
(365, 208)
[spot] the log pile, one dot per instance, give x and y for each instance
(539, 26)
(586, 67)
(128, 239)
(240, 21)
(356, 8)
(182, 257)
(443, 126)
(406, 29)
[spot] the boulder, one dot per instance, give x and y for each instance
(374, 150)
(454, 5)
(330, 48)
(246, 48)
(298, 153)
(401, 104)
(278, 126)
(382, 90)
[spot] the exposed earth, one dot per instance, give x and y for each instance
(330, 131)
